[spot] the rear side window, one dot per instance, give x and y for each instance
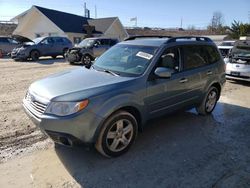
(105, 42)
(113, 42)
(4, 40)
(198, 56)
(58, 40)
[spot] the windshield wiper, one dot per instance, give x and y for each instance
(110, 72)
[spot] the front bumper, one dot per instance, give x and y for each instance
(18, 55)
(73, 57)
(238, 72)
(80, 127)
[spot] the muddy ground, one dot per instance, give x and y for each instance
(181, 150)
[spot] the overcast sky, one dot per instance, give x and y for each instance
(151, 13)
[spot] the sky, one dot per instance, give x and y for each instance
(149, 13)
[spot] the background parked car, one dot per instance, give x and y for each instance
(225, 48)
(42, 46)
(238, 67)
(89, 49)
(7, 44)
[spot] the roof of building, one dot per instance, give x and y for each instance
(102, 24)
(66, 21)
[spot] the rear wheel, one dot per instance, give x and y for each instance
(34, 55)
(117, 135)
(209, 102)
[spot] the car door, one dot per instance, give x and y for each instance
(100, 46)
(59, 45)
(167, 94)
(197, 71)
(46, 47)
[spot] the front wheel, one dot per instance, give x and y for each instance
(34, 55)
(209, 102)
(117, 135)
(86, 60)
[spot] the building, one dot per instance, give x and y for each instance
(39, 21)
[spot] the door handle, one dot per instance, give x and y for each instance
(183, 80)
(209, 72)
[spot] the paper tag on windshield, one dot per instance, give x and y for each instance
(144, 55)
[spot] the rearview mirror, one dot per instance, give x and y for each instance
(163, 72)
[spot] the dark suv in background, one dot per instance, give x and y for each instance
(87, 50)
(134, 81)
(7, 44)
(42, 46)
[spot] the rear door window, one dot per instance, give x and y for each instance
(4, 40)
(198, 56)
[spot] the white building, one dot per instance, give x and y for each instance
(39, 21)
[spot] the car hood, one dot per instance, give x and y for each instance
(76, 84)
(21, 39)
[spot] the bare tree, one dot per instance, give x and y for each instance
(216, 22)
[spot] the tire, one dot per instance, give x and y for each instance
(34, 55)
(209, 102)
(117, 134)
(86, 60)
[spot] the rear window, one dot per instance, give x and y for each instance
(197, 56)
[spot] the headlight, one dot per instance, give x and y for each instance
(66, 108)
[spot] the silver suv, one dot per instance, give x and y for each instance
(87, 50)
(7, 44)
(134, 81)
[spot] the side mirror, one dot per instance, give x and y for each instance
(163, 72)
(96, 45)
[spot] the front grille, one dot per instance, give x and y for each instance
(36, 107)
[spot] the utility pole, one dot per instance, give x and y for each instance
(249, 17)
(181, 23)
(95, 12)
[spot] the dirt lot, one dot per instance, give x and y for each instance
(183, 150)
(17, 132)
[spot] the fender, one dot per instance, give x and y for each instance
(120, 101)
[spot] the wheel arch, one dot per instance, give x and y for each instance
(35, 49)
(130, 109)
(218, 86)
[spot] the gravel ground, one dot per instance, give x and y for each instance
(17, 132)
(181, 150)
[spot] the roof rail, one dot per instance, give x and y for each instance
(174, 39)
(146, 36)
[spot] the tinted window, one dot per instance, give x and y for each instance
(113, 42)
(104, 41)
(213, 54)
(58, 40)
(197, 56)
(4, 40)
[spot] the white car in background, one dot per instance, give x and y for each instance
(225, 48)
(238, 66)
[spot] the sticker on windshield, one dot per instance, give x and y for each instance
(144, 55)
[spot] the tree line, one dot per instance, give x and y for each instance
(234, 31)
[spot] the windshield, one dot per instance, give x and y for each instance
(127, 60)
(226, 44)
(86, 43)
(37, 40)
